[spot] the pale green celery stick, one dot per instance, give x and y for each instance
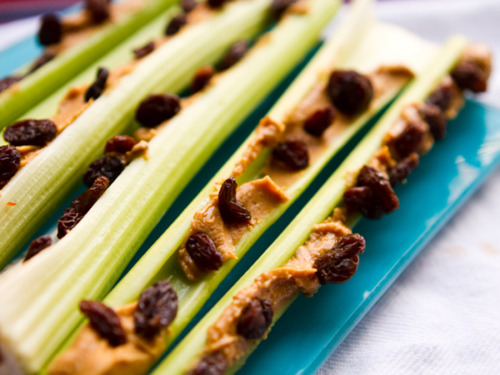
(43, 183)
(40, 84)
(319, 207)
(39, 298)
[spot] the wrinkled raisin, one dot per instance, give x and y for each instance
(98, 9)
(51, 30)
(319, 121)
(6, 82)
(157, 108)
(30, 133)
(341, 262)
(442, 97)
(156, 309)
(210, 364)
(402, 169)
(293, 153)
(255, 319)
(230, 209)
(145, 50)
(95, 90)
(10, 160)
(37, 246)
(80, 206)
(105, 321)
(469, 76)
(435, 118)
(120, 144)
(188, 5)
(107, 166)
(410, 139)
(175, 24)
(201, 78)
(203, 251)
(278, 7)
(237, 51)
(349, 91)
(42, 60)
(216, 3)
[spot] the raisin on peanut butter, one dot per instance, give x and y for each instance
(319, 121)
(145, 50)
(188, 5)
(99, 10)
(120, 144)
(230, 209)
(402, 169)
(51, 30)
(105, 321)
(175, 24)
(10, 161)
(349, 91)
(42, 60)
(442, 97)
(292, 153)
(107, 166)
(202, 78)
(255, 319)
(203, 251)
(435, 118)
(36, 246)
(410, 139)
(469, 76)
(237, 51)
(95, 90)
(210, 364)
(30, 133)
(6, 82)
(278, 7)
(216, 3)
(157, 108)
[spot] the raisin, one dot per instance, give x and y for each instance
(340, 263)
(230, 209)
(292, 153)
(402, 170)
(442, 97)
(319, 121)
(469, 76)
(349, 91)
(255, 319)
(175, 24)
(80, 206)
(210, 364)
(51, 30)
(107, 166)
(216, 3)
(6, 82)
(98, 9)
(435, 118)
(36, 246)
(10, 160)
(278, 7)
(105, 321)
(145, 50)
(157, 108)
(41, 61)
(156, 309)
(120, 144)
(95, 90)
(410, 139)
(30, 133)
(188, 5)
(237, 51)
(203, 251)
(201, 78)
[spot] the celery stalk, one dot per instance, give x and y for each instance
(318, 208)
(42, 184)
(36, 86)
(87, 261)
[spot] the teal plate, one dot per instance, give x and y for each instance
(313, 328)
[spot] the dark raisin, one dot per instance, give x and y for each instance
(107, 166)
(402, 169)
(156, 309)
(237, 51)
(6, 82)
(41, 61)
(410, 139)
(95, 90)
(80, 206)
(201, 78)
(319, 121)
(105, 321)
(255, 319)
(210, 364)
(442, 97)
(37, 245)
(278, 7)
(216, 3)
(175, 24)
(51, 30)
(157, 108)
(230, 209)
(203, 251)
(145, 50)
(435, 118)
(120, 144)
(10, 160)
(99, 10)
(188, 5)
(293, 153)
(30, 133)
(469, 76)
(349, 91)
(341, 262)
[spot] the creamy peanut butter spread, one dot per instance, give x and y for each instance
(91, 354)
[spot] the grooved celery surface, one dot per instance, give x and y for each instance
(320, 206)
(50, 77)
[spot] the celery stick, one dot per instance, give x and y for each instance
(320, 206)
(38, 85)
(38, 188)
(87, 261)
